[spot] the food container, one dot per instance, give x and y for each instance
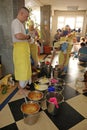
(43, 80)
(35, 95)
(41, 87)
(42, 84)
(61, 82)
(30, 112)
(58, 82)
(51, 108)
(59, 88)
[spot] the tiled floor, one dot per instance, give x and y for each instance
(71, 115)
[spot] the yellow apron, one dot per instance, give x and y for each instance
(21, 59)
(61, 56)
(34, 52)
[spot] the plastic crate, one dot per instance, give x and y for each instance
(47, 49)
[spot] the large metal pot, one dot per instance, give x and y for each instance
(51, 108)
(30, 112)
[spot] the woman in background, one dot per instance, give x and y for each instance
(34, 47)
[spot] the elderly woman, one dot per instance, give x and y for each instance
(33, 42)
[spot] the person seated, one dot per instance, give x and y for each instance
(78, 34)
(82, 53)
(82, 40)
(57, 36)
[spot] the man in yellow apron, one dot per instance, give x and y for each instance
(21, 50)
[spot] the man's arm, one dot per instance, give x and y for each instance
(21, 36)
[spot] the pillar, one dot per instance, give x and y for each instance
(8, 11)
(45, 14)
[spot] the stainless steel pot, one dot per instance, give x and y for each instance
(51, 108)
(30, 112)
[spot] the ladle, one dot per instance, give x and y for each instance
(25, 98)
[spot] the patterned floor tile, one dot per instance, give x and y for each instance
(79, 103)
(16, 97)
(15, 108)
(80, 126)
(70, 115)
(10, 127)
(66, 117)
(69, 92)
(43, 123)
(6, 117)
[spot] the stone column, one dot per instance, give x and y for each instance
(8, 11)
(45, 13)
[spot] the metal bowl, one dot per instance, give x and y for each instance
(60, 82)
(35, 95)
(59, 88)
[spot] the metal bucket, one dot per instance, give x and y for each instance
(51, 108)
(30, 117)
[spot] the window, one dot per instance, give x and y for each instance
(73, 22)
(60, 22)
(36, 17)
(70, 21)
(79, 22)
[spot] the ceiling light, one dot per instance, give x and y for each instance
(72, 8)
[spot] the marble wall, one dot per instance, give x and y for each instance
(8, 11)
